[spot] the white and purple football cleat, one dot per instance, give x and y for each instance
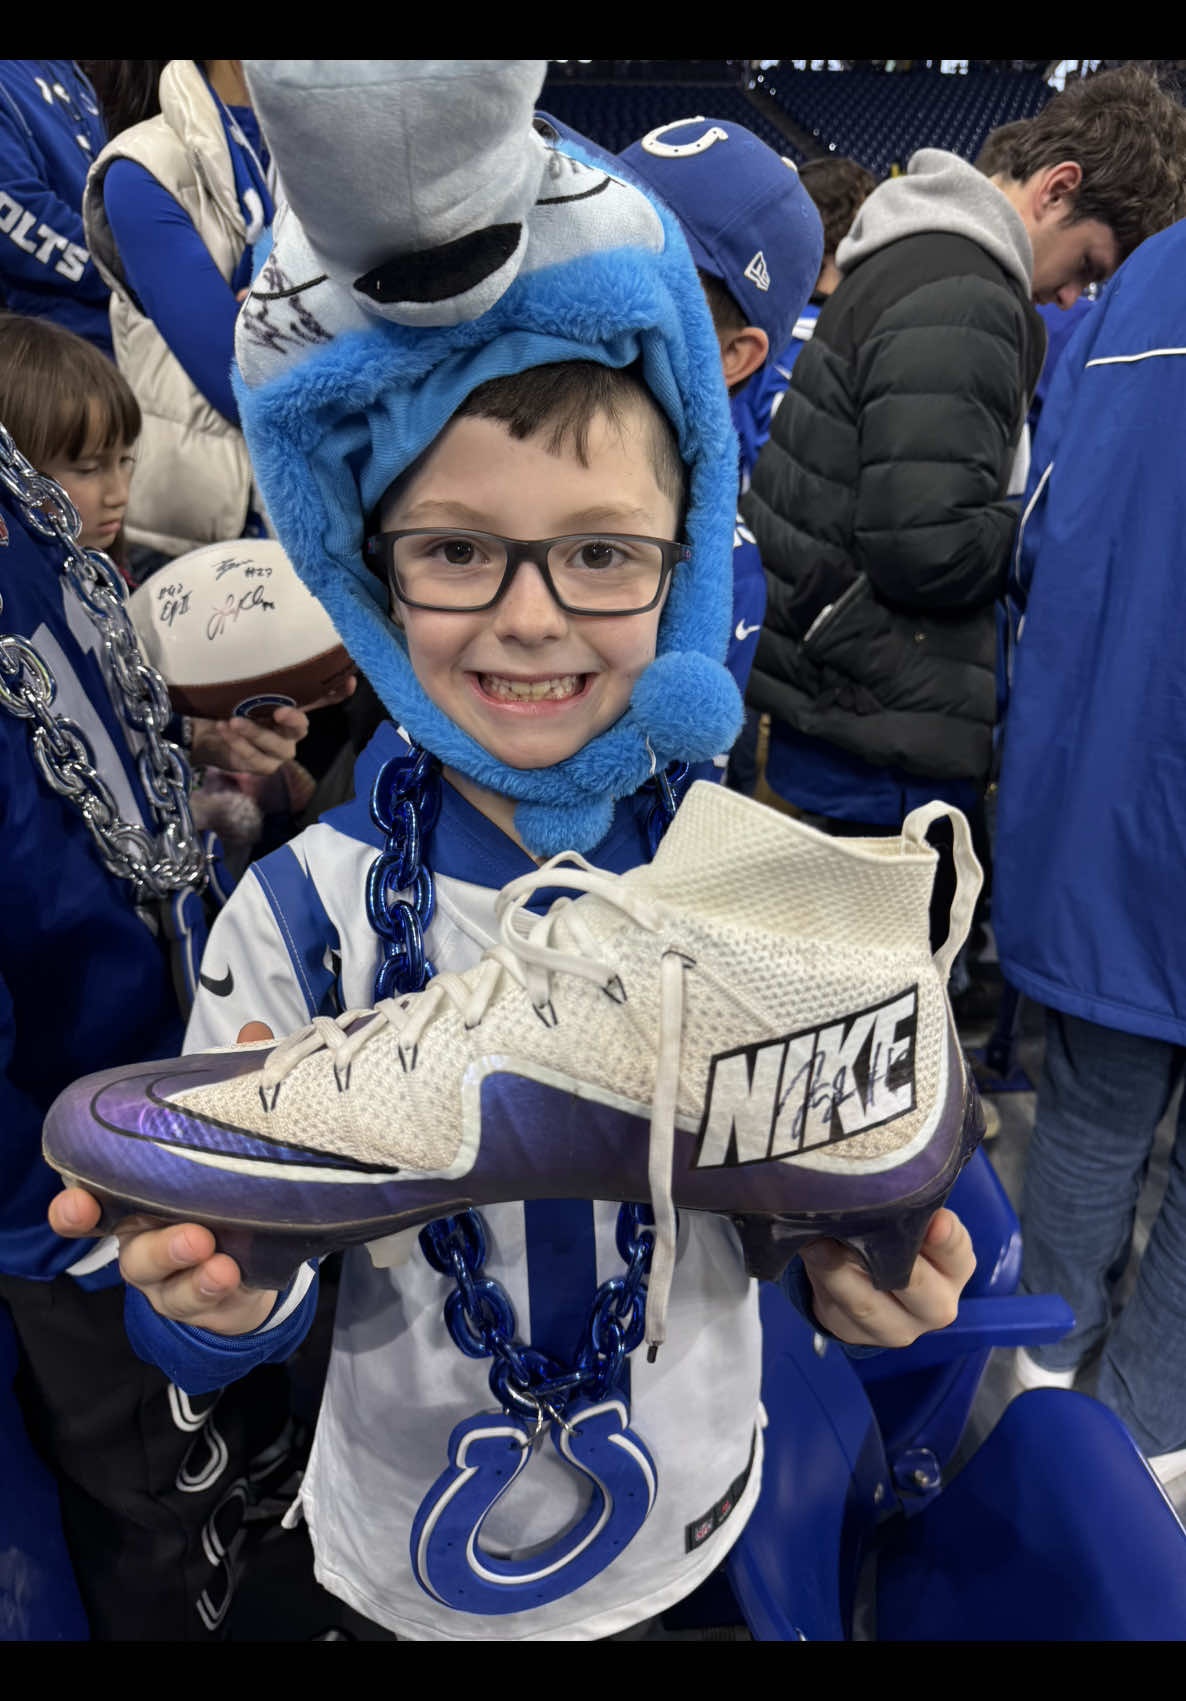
(752, 1024)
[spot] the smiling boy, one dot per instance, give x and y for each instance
(526, 679)
(551, 679)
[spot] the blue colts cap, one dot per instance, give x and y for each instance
(745, 214)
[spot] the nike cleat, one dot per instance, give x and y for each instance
(752, 1024)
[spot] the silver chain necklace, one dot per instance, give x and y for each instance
(175, 859)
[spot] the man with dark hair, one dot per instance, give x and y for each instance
(1061, 322)
(881, 502)
(1122, 133)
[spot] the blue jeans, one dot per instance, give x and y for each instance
(1101, 1097)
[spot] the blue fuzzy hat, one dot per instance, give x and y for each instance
(431, 240)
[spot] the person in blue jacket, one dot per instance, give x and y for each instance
(1092, 816)
(50, 132)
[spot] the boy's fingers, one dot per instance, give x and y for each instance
(149, 1256)
(213, 1297)
(948, 1247)
(847, 1302)
(252, 1032)
(195, 1296)
(74, 1212)
(930, 1298)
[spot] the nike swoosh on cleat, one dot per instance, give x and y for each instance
(742, 631)
(220, 988)
(224, 1145)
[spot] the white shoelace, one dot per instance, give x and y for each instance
(531, 951)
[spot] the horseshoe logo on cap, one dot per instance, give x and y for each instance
(678, 150)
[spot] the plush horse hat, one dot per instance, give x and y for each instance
(432, 238)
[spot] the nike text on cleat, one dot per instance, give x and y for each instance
(751, 1024)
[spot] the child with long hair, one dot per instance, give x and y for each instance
(73, 415)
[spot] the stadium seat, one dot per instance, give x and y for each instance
(922, 1401)
(1056, 1529)
(613, 115)
(881, 118)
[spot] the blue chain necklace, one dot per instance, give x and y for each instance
(534, 1390)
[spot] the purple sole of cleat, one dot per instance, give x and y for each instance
(268, 1254)
(888, 1236)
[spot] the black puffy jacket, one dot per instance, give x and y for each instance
(879, 507)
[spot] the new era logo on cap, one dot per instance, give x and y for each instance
(756, 271)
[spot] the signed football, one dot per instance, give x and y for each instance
(233, 631)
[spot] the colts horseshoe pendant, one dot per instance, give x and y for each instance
(486, 1454)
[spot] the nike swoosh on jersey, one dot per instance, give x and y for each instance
(741, 631)
(220, 988)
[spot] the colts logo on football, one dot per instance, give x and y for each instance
(811, 1088)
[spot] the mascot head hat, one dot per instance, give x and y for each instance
(432, 237)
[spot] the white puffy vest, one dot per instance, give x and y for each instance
(193, 480)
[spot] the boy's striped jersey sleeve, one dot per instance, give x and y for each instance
(247, 972)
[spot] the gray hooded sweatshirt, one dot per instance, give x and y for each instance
(940, 191)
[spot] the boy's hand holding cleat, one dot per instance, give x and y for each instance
(176, 1272)
(176, 1266)
(848, 1306)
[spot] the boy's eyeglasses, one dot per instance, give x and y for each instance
(458, 572)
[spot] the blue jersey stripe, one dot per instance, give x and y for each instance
(304, 924)
(561, 1273)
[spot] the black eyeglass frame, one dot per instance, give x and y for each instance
(380, 547)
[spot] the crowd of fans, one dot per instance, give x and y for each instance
(956, 393)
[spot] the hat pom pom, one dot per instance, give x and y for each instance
(688, 707)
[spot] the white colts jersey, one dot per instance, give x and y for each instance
(398, 1386)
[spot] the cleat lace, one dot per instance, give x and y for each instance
(531, 951)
